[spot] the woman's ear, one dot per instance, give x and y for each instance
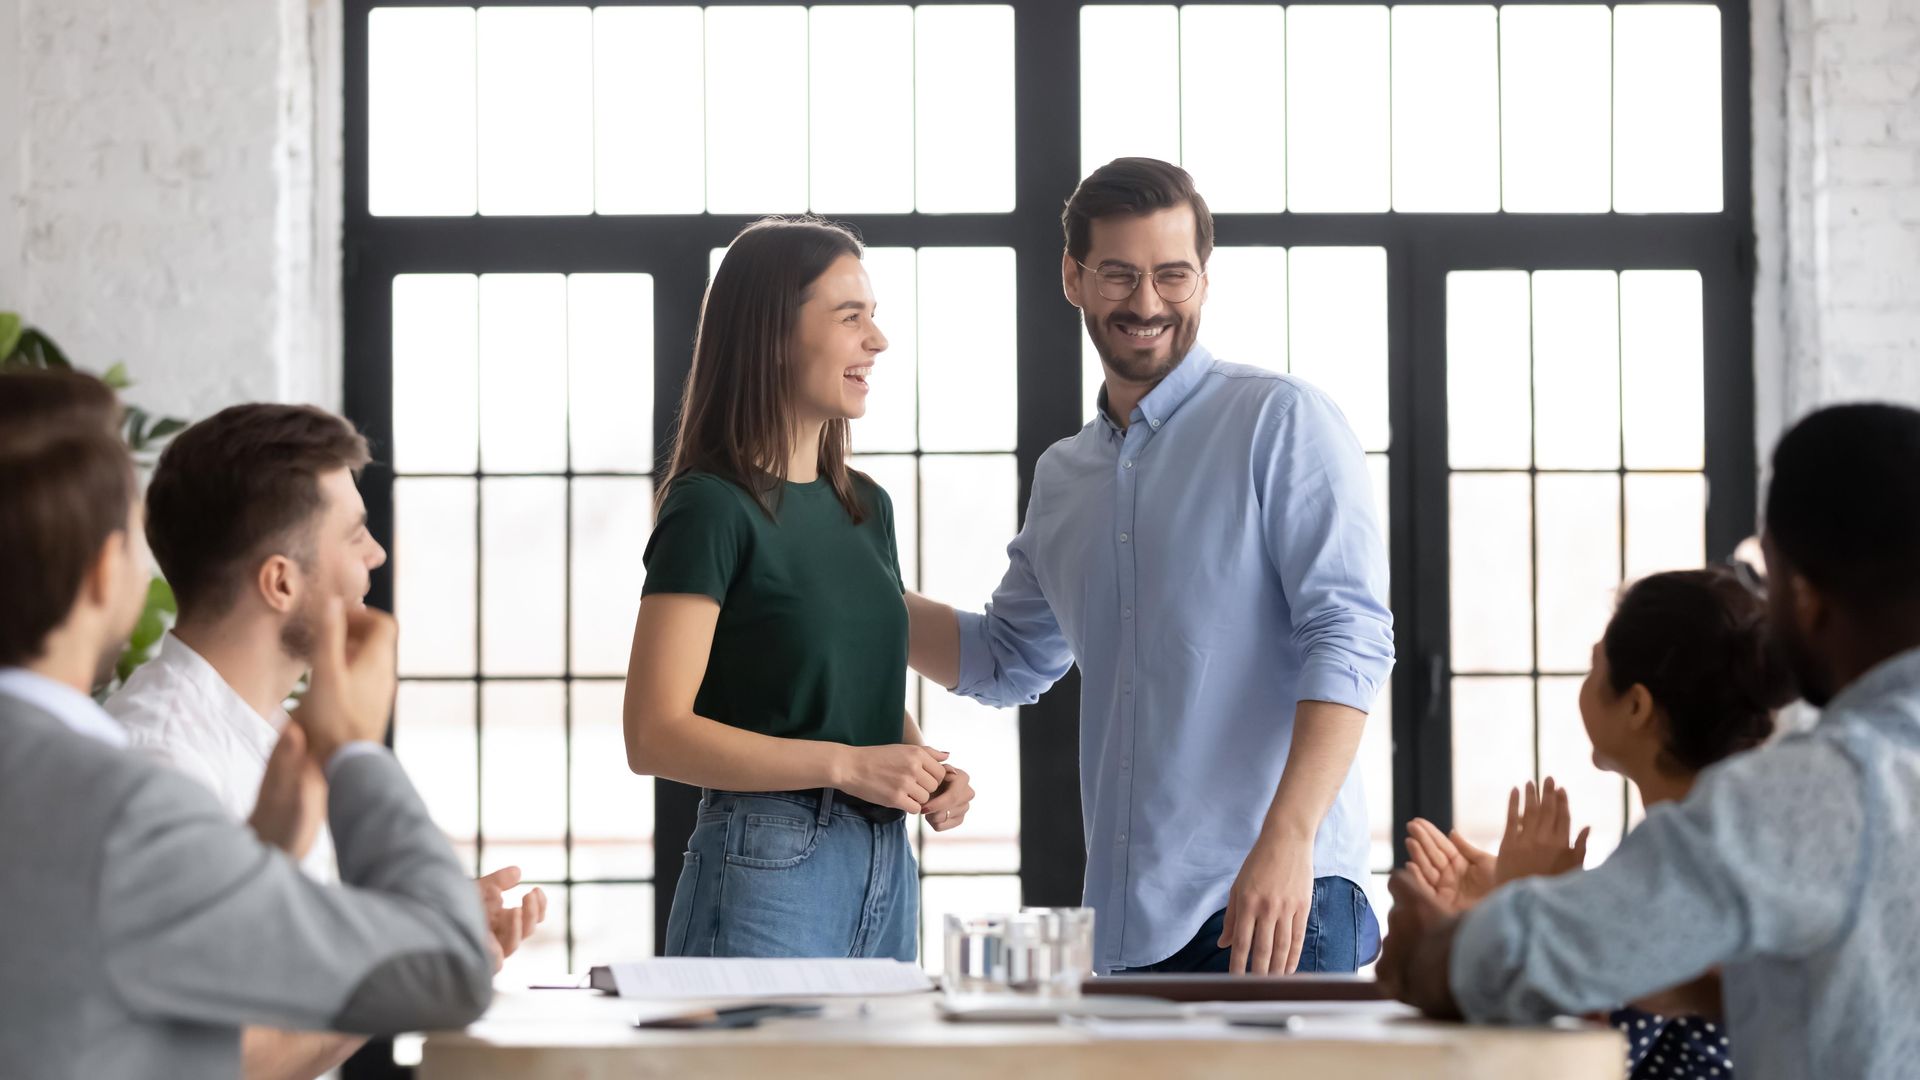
(1639, 706)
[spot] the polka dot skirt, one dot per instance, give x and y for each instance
(1659, 1047)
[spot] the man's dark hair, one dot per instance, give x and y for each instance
(66, 486)
(1132, 187)
(1843, 508)
(1697, 640)
(233, 485)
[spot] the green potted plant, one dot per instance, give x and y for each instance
(23, 346)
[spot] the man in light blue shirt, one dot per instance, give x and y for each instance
(1791, 869)
(1208, 553)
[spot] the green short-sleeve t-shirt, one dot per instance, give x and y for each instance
(812, 637)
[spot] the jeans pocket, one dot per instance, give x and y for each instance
(686, 894)
(774, 842)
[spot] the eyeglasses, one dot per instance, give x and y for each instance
(1175, 284)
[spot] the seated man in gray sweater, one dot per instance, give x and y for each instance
(158, 925)
(1792, 868)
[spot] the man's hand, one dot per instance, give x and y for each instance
(1536, 841)
(950, 801)
(1266, 922)
(293, 797)
(509, 926)
(1457, 873)
(351, 695)
(1413, 964)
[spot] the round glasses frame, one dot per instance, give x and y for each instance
(1108, 282)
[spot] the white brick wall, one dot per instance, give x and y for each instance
(157, 205)
(1838, 305)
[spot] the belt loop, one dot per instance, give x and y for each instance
(826, 805)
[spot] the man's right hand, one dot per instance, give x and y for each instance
(902, 776)
(351, 695)
(293, 797)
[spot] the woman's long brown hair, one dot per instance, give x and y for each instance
(736, 416)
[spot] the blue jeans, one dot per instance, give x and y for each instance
(794, 874)
(1342, 934)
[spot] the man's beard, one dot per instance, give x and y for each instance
(1809, 674)
(298, 635)
(1138, 369)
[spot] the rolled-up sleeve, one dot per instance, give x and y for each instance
(1764, 858)
(1014, 652)
(1325, 542)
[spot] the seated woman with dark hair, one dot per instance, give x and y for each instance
(1683, 677)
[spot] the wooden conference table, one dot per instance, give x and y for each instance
(582, 1035)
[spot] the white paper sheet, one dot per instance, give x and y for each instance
(704, 977)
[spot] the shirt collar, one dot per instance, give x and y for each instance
(1896, 676)
(1165, 399)
(71, 707)
(180, 659)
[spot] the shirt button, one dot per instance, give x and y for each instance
(1154, 424)
(1126, 613)
(1122, 838)
(1126, 464)
(1126, 763)
(1123, 538)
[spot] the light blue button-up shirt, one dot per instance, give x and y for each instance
(1209, 567)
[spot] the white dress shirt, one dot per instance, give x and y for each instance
(176, 708)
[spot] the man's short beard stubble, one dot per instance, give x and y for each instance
(1135, 370)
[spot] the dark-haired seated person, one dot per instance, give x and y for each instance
(1793, 868)
(1684, 677)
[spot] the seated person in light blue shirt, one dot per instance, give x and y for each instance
(1207, 551)
(1792, 868)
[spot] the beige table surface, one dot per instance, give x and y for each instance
(580, 1035)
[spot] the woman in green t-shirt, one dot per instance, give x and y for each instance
(770, 655)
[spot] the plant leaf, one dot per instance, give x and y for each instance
(167, 426)
(116, 377)
(10, 327)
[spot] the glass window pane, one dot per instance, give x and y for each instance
(1492, 752)
(968, 517)
(1337, 326)
(536, 110)
(963, 108)
(611, 924)
(1666, 100)
(436, 741)
(986, 743)
(1338, 141)
(1376, 775)
(612, 518)
(1489, 384)
(543, 956)
(1244, 320)
(966, 896)
(436, 372)
(899, 474)
(523, 778)
(1233, 105)
(1598, 799)
(1576, 369)
(610, 372)
(1092, 376)
(756, 109)
(433, 575)
(1491, 572)
(612, 808)
(649, 134)
(1579, 546)
(1118, 116)
(1666, 522)
(523, 591)
(1556, 108)
(892, 419)
(860, 104)
(523, 350)
(967, 349)
(1662, 369)
(1377, 465)
(420, 112)
(1446, 109)
(1488, 387)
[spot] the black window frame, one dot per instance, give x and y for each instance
(1421, 249)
